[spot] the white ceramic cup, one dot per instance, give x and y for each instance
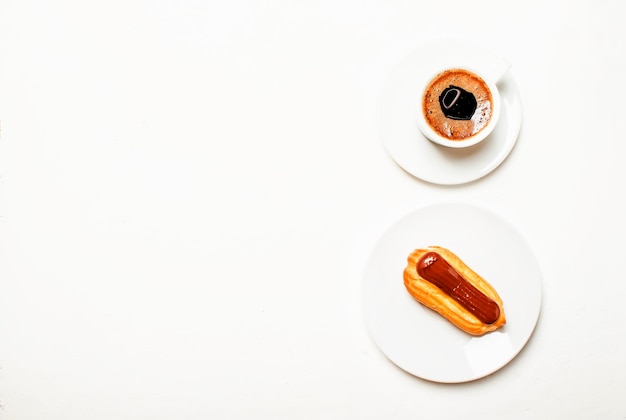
(491, 72)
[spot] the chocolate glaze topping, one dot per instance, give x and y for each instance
(435, 269)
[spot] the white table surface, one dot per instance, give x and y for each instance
(189, 192)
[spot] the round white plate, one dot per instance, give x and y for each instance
(418, 339)
(411, 150)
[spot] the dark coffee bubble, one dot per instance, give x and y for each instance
(457, 103)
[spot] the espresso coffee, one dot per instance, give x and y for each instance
(457, 104)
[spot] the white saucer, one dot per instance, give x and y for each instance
(419, 340)
(411, 150)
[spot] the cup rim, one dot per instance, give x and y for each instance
(435, 137)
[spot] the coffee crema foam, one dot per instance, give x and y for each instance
(455, 129)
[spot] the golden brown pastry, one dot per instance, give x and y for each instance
(438, 279)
